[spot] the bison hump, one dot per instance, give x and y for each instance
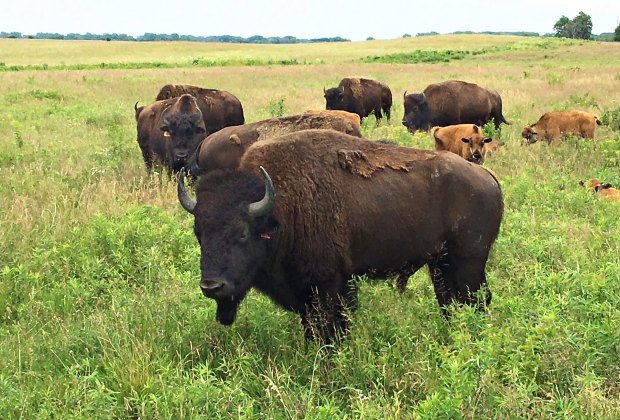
(366, 162)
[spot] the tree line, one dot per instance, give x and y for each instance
(256, 39)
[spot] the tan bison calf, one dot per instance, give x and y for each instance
(553, 125)
(603, 190)
(466, 140)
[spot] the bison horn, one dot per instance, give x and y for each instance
(324, 90)
(265, 205)
(405, 95)
(186, 201)
(342, 89)
(423, 98)
(135, 107)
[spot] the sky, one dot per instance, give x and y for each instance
(354, 20)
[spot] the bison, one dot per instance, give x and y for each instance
(466, 140)
(224, 149)
(219, 108)
(169, 131)
(551, 126)
(452, 102)
(330, 206)
(604, 190)
(361, 97)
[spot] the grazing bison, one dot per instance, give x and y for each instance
(466, 140)
(224, 149)
(361, 97)
(219, 108)
(602, 190)
(553, 125)
(452, 102)
(333, 206)
(169, 131)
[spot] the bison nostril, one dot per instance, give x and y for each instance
(212, 285)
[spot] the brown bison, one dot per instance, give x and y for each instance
(330, 206)
(169, 131)
(602, 190)
(219, 108)
(452, 102)
(224, 149)
(361, 97)
(553, 125)
(466, 140)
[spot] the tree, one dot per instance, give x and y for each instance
(580, 27)
(560, 26)
(617, 34)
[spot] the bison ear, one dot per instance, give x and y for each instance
(234, 139)
(597, 188)
(487, 140)
(606, 185)
(475, 128)
(582, 183)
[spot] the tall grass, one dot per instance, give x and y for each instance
(101, 315)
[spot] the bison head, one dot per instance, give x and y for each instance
(234, 225)
(529, 134)
(417, 114)
(476, 151)
(334, 98)
(183, 124)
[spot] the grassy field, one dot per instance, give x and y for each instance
(100, 311)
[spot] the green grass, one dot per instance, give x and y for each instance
(100, 311)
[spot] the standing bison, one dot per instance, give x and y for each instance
(223, 150)
(219, 108)
(330, 206)
(361, 97)
(452, 102)
(170, 129)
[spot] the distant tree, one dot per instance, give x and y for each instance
(560, 26)
(370, 38)
(580, 27)
(406, 35)
(617, 34)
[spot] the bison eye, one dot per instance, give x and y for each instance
(243, 238)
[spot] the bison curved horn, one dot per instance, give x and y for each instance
(186, 201)
(341, 88)
(405, 95)
(135, 107)
(324, 91)
(423, 96)
(265, 205)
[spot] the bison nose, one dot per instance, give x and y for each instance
(217, 287)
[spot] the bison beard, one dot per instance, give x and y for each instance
(335, 219)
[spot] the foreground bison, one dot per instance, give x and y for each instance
(169, 131)
(452, 102)
(223, 150)
(551, 126)
(333, 206)
(466, 140)
(361, 97)
(219, 108)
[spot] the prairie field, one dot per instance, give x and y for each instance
(100, 311)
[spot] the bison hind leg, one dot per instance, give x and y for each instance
(442, 277)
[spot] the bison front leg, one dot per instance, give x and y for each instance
(326, 317)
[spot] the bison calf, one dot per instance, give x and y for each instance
(556, 124)
(465, 140)
(602, 190)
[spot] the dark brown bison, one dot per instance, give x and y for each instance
(219, 108)
(361, 97)
(552, 126)
(452, 102)
(466, 140)
(334, 206)
(223, 150)
(169, 131)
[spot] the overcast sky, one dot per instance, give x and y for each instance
(355, 20)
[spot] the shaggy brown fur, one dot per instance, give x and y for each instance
(360, 96)
(346, 206)
(354, 118)
(556, 124)
(465, 140)
(224, 149)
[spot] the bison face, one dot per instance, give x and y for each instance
(235, 228)
(476, 151)
(334, 98)
(530, 135)
(417, 113)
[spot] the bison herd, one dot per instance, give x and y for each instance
(296, 206)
